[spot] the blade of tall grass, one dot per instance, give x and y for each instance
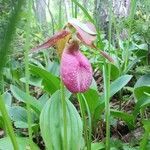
(85, 127)
(8, 124)
(84, 10)
(76, 11)
(27, 74)
(72, 9)
(106, 76)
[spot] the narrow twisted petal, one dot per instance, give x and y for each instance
(76, 71)
(53, 40)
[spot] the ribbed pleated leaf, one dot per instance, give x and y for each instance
(51, 124)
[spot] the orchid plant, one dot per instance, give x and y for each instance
(76, 75)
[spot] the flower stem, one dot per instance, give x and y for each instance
(82, 109)
(106, 70)
(64, 115)
(8, 124)
(27, 74)
(89, 121)
(106, 76)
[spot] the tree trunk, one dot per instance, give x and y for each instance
(41, 11)
(67, 8)
(120, 9)
(85, 2)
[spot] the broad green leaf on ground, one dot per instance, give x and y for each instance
(115, 86)
(93, 85)
(43, 99)
(145, 144)
(141, 103)
(50, 82)
(18, 114)
(23, 97)
(51, 124)
(141, 86)
(119, 83)
(134, 62)
(21, 124)
(114, 74)
(128, 118)
(5, 144)
(7, 98)
(146, 124)
(53, 67)
(97, 146)
(36, 62)
(143, 81)
(33, 81)
(141, 93)
(92, 98)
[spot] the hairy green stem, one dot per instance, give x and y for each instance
(27, 74)
(106, 75)
(8, 124)
(64, 115)
(89, 121)
(82, 109)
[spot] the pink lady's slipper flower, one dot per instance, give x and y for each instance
(75, 69)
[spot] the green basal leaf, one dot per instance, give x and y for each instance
(145, 143)
(92, 98)
(119, 83)
(128, 118)
(115, 86)
(7, 98)
(5, 144)
(51, 124)
(114, 74)
(18, 114)
(97, 146)
(33, 81)
(23, 97)
(141, 93)
(50, 82)
(143, 81)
